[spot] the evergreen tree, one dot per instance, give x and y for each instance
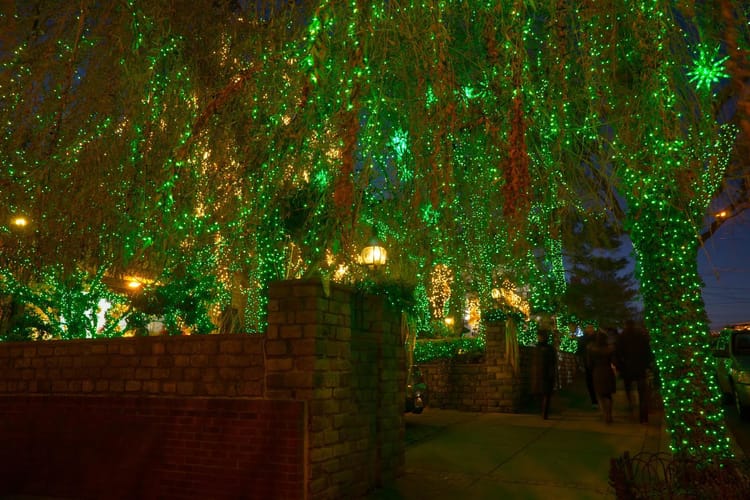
(601, 287)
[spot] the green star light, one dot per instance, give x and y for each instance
(709, 68)
(399, 142)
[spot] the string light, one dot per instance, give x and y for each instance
(441, 279)
(225, 172)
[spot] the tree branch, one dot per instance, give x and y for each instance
(732, 211)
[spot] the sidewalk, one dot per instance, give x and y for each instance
(451, 454)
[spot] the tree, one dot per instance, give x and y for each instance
(601, 287)
(268, 139)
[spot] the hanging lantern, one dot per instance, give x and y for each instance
(374, 254)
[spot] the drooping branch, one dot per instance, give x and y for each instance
(71, 69)
(737, 65)
(220, 98)
(727, 213)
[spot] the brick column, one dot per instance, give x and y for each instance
(339, 351)
(503, 384)
(380, 325)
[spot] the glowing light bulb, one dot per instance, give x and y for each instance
(20, 221)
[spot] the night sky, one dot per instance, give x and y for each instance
(724, 265)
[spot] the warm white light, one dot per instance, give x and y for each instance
(340, 272)
(20, 221)
(448, 320)
(514, 300)
(722, 215)
(136, 282)
(496, 294)
(373, 254)
(101, 316)
(441, 279)
(473, 313)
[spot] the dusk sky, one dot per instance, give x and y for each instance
(724, 265)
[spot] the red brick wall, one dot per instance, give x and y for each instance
(335, 355)
(97, 447)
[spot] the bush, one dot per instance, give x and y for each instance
(466, 349)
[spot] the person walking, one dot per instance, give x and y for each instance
(546, 369)
(633, 357)
(582, 353)
(600, 358)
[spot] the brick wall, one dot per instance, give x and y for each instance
(215, 365)
(501, 382)
(126, 447)
(323, 391)
(489, 386)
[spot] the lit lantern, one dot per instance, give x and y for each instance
(496, 294)
(20, 221)
(374, 254)
(135, 283)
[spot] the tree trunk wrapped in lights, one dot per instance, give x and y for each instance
(675, 316)
(667, 184)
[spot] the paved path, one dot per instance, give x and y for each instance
(460, 455)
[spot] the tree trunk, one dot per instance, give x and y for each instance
(666, 247)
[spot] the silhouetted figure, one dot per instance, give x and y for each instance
(582, 351)
(633, 357)
(600, 358)
(546, 370)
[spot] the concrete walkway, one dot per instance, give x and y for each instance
(468, 456)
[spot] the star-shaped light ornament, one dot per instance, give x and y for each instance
(709, 68)
(400, 142)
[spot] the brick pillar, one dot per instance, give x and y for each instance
(341, 352)
(382, 324)
(504, 394)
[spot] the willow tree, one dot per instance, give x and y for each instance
(263, 140)
(91, 120)
(639, 126)
(118, 104)
(668, 155)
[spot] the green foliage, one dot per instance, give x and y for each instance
(187, 295)
(60, 306)
(186, 301)
(434, 350)
(399, 295)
